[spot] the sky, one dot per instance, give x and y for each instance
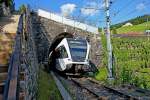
(91, 11)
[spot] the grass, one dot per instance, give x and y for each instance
(102, 75)
(136, 28)
(47, 87)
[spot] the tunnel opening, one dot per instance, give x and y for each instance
(58, 39)
(55, 42)
(53, 56)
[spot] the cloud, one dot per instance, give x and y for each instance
(90, 12)
(91, 8)
(140, 7)
(67, 9)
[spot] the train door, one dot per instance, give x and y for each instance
(61, 58)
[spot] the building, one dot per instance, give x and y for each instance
(127, 24)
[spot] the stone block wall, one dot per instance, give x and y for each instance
(53, 29)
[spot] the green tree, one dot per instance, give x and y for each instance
(7, 2)
(22, 8)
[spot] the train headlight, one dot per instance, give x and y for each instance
(68, 66)
(69, 59)
(87, 60)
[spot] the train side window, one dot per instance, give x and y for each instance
(57, 53)
(63, 52)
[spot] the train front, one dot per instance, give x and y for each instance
(78, 55)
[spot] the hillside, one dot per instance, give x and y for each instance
(134, 21)
(135, 28)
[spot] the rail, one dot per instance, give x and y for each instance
(63, 91)
(11, 84)
(100, 91)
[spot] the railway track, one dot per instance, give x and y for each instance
(90, 89)
(111, 93)
(63, 91)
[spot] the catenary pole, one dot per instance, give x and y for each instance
(109, 47)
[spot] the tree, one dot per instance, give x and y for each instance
(22, 8)
(7, 2)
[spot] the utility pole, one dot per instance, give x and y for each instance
(109, 47)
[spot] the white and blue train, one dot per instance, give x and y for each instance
(71, 55)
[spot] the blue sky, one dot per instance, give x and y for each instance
(120, 10)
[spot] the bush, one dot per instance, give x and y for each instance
(114, 31)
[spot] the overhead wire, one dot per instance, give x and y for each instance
(132, 11)
(124, 7)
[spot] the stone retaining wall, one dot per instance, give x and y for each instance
(30, 67)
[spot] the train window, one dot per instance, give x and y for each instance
(78, 49)
(78, 52)
(57, 53)
(64, 52)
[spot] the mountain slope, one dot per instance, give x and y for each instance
(134, 21)
(135, 28)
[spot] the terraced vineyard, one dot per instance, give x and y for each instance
(131, 60)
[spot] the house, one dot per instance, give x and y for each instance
(127, 24)
(147, 32)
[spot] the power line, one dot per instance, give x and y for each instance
(123, 8)
(133, 11)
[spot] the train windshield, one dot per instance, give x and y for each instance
(78, 49)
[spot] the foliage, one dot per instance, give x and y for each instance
(126, 75)
(7, 2)
(102, 75)
(132, 56)
(114, 30)
(104, 50)
(22, 8)
(47, 87)
(132, 62)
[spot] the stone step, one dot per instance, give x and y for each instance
(1, 97)
(3, 68)
(2, 87)
(3, 76)
(21, 95)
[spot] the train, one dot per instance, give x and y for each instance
(71, 55)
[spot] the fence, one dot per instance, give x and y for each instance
(23, 68)
(11, 85)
